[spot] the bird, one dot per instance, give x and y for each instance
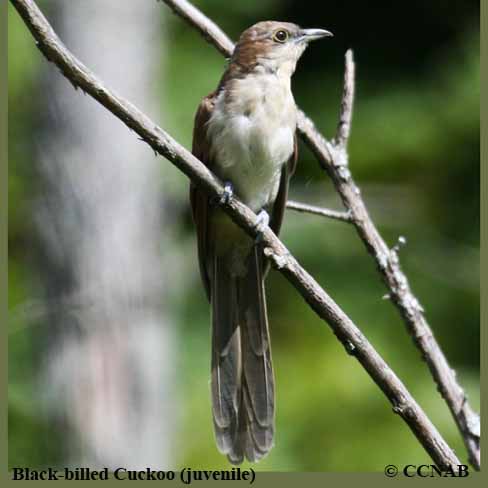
(245, 133)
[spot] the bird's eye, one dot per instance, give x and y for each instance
(281, 35)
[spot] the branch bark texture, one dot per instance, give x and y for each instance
(333, 158)
(161, 142)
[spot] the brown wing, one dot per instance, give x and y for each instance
(199, 200)
(279, 206)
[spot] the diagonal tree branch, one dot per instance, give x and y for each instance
(161, 142)
(333, 158)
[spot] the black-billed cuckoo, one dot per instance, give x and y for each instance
(245, 132)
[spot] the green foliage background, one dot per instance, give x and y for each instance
(414, 151)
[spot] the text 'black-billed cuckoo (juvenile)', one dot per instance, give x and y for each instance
(245, 132)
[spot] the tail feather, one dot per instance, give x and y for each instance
(242, 374)
(226, 357)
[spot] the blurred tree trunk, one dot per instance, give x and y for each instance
(108, 352)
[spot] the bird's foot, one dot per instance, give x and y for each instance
(261, 223)
(228, 192)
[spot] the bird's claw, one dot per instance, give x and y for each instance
(261, 223)
(228, 192)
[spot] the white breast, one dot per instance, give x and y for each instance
(252, 136)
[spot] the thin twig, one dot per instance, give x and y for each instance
(323, 212)
(333, 157)
(347, 104)
(343, 327)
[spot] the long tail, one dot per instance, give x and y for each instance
(242, 373)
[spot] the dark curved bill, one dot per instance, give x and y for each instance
(314, 34)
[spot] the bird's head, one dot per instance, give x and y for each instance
(274, 46)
